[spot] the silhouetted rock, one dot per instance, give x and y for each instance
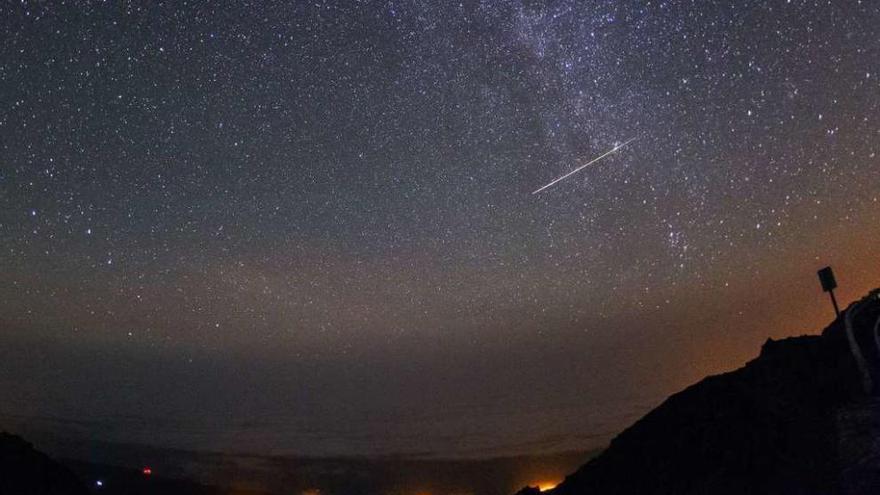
(529, 490)
(23, 470)
(858, 429)
(795, 420)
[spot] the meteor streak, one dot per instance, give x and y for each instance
(594, 160)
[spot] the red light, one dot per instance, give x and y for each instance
(147, 471)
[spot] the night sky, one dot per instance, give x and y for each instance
(309, 227)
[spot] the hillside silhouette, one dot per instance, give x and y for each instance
(802, 418)
(25, 470)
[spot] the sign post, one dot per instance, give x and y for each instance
(826, 277)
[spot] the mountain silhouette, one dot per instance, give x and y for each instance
(25, 470)
(800, 419)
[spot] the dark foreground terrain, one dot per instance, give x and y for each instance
(802, 418)
(25, 470)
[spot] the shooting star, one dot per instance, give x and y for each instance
(594, 160)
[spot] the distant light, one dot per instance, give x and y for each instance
(547, 485)
(147, 471)
(99, 483)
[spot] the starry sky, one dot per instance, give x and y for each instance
(309, 226)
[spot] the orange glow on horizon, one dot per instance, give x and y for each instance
(547, 485)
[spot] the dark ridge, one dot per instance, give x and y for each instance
(24, 470)
(795, 420)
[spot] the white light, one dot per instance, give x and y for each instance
(99, 483)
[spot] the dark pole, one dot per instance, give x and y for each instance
(834, 302)
(826, 278)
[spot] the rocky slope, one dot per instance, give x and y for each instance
(795, 420)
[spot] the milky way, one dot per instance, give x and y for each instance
(308, 220)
